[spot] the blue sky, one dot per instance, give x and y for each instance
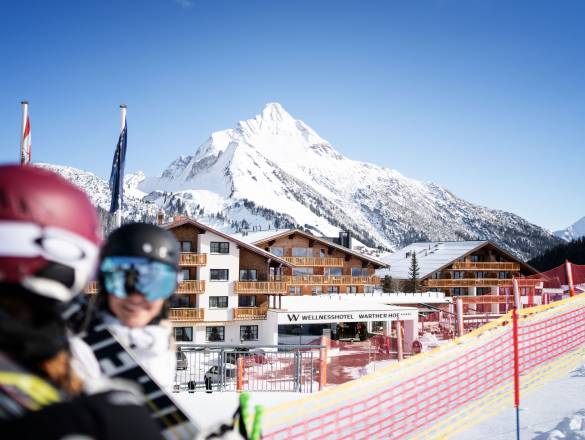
(486, 98)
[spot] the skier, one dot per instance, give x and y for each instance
(49, 237)
(138, 272)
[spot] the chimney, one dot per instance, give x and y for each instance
(160, 217)
(178, 218)
(345, 239)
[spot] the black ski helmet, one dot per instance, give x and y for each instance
(143, 240)
(139, 240)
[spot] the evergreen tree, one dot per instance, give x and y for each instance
(413, 273)
(387, 285)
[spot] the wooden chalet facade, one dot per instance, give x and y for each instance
(467, 268)
(319, 266)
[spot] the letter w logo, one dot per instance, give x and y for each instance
(292, 318)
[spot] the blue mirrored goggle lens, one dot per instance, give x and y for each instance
(124, 275)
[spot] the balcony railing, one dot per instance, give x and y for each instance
(93, 287)
(190, 259)
(327, 280)
(249, 313)
(186, 314)
(480, 282)
(315, 261)
(187, 286)
(267, 287)
(191, 286)
(486, 266)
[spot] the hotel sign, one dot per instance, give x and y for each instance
(326, 317)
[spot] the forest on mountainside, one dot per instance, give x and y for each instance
(574, 251)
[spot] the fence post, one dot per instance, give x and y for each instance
(459, 306)
(323, 363)
(399, 340)
(517, 298)
(240, 375)
(516, 371)
(569, 270)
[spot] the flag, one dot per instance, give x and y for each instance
(25, 147)
(117, 174)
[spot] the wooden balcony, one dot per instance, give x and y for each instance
(487, 266)
(190, 286)
(92, 288)
(340, 280)
(315, 261)
(186, 314)
(191, 259)
(480, 282)
(250, 313)
(267, 287)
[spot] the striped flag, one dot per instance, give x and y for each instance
(117, 174)
(25, 140)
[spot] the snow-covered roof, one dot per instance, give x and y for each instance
(431, 256)
(254, 236)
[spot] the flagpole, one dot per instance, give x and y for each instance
(23, 152)
(118, 216)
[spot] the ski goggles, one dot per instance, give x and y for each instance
(125, 275)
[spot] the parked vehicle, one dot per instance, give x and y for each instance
(182, 363)
(214, 375)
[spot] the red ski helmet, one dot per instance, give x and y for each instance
(49, 233)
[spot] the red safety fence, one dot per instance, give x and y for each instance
(437, 393)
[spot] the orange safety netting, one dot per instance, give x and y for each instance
(438, 393)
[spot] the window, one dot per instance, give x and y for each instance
(183, 334)
(185, 246)
(278, 251)
(483, 291)
(294, 291)
(333, 289)
(458, 291)
(248, 333)
(185, 274)
(218, 302)
(316, 290)
(502, 275)
(475, 259)
(322, 253)
(359, 271)
(479, 275)
(276, 273)
(219, 247)
(301, 252)
(216, 333)
(368, 289)
(246, 301)
(299, 271)
(218, 274)
(351, 289)
(333, 271)
(180, 301)
(457, 275)
(248, 275)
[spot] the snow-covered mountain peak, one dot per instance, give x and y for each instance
(278, 167)
(275, 112)
(573, 232)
